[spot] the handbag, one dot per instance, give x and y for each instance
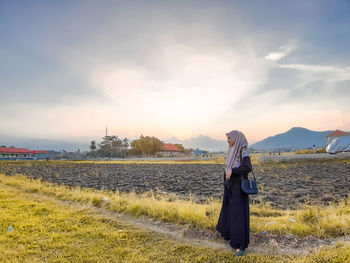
(249, 186)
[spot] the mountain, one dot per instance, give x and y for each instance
(297, 138)
(202, 142)
(42, 144)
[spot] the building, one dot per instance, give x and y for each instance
(336, 134)
(41, 155)
(199, 153)
(169, 150)
(11, 153)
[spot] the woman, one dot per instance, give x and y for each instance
(233, 222)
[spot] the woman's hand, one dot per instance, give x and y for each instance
(228, 174)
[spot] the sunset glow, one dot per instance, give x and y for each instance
(153, 68)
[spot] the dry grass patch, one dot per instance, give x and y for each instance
(310, 151)
(44, 231)
(48, 231)
(323, 221)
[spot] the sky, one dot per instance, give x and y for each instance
(173, 69)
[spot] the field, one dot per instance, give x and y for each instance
(285, 185)
(166, 212)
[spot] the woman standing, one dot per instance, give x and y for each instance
(233, 221)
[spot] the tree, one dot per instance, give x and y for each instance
(112, 146)
(146, 145)
(93, 146)
(188, 151)
(125, 143)
(180, 147)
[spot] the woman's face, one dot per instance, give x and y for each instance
(230, 141)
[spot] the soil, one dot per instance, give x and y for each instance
(283, 185)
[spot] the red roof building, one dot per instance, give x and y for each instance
(11, 153)
(40, 151)
(10, 150)
(170, 147)
(169, 150)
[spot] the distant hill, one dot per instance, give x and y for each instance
(297, 138)
(42, 144)
(202, 142)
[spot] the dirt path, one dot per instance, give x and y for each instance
(262, 244)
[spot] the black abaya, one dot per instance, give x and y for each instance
(233, 221)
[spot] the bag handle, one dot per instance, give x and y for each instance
(242, 162)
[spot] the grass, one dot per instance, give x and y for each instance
(45, 230)
(310, 151)
(323, 221)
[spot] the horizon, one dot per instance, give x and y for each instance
(173, 69)
(206, 143)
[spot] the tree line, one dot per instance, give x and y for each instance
(113, 146)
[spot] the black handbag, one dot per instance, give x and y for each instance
(248, 186)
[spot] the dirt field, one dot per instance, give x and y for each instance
(284, 185)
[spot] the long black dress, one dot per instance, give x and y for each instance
(233, 221)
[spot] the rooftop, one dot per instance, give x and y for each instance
(338, 133)
(11, 150)
(40, 151)
(170, 147)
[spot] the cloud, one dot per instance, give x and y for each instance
(319, 82)
(166, 68)
(305, 82)
(296, 95)
(335, 73)
(343, 87)
(284, 51)
(182, 77)
(182, 86)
